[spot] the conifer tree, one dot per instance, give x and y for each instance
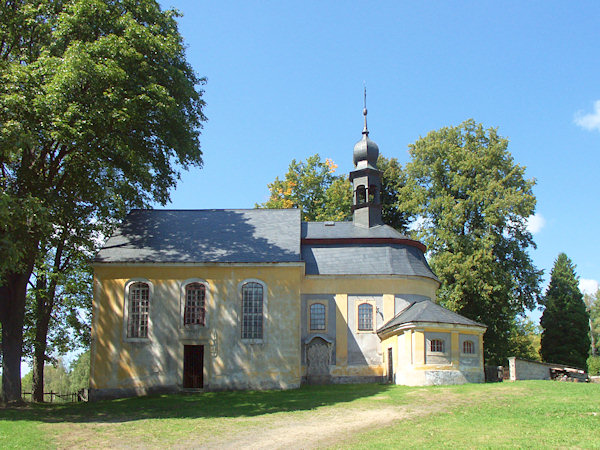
(565, 321)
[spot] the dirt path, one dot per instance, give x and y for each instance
(318, 429)
(324, 426)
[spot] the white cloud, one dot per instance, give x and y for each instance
(535, 223)
(589, 121)
(588, 286)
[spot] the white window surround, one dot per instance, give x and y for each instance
(264, 311)
(182, 300)
(128, 284)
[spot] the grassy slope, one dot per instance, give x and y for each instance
(527, 414)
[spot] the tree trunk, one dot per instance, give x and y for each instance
(39, 345)
(12, 315)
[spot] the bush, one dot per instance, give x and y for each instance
(593, 363)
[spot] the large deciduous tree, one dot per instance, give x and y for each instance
(98, 108)
(473, 202)
(565, 321)
(313, 186)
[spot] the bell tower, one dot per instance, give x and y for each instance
(366, 180)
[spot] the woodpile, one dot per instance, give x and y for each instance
(568, 374)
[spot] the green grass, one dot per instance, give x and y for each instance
(522, 414)
(529, 414)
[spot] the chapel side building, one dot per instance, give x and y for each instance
(258, 299)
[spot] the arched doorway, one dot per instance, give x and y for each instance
(318, 356)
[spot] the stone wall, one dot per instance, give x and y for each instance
(522, 369)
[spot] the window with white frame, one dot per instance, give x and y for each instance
(317, 316)
(195, 304)
(365, 317)
(468, 347)
(436, 345)
(252, 310)
(139, 308)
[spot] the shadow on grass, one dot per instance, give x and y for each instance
(230, 404)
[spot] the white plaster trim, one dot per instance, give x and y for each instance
(265, 311)
(182, 299)
(129, 282)
(198, 264)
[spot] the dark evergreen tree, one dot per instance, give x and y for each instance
(565, 322)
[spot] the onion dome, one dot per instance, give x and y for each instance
(366, 151)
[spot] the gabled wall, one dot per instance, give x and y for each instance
(122, 366)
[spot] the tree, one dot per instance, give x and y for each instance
(57, 318)
(565, 338)
(322, 195)
(98, 108)
(79, 376)
(592, 304)
(524, 341)
(473, 202)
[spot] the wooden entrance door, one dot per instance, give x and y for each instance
(193, 366)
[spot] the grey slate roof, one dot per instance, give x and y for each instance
(188, 236)
(427, 311)
(365, 259)
(360, 258)
(338, 230)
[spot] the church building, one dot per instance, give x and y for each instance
(259, 299)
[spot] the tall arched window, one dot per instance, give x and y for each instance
(365, 317)
(195, 304)
(468, 347)
(361, 195)
(252, 311)
(139, 308)
(436, 345)
(317, 316)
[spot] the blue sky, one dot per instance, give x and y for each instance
(285, 81)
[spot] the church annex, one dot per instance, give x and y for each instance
(258, 299)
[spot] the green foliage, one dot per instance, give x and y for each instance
(593, 365)
(473, 202)
(322, 195)
(592, 303)
(79, 376)
(524, 341)
(60, 380)
(99, 112)
(313, 187)
(565, 339)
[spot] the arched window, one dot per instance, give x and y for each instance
(373, 194)
(252, 311)
(468, 347)
(436, 345)
(365, 317)
(195, 304)
(139, 308)
(317, 316)
(361, 195)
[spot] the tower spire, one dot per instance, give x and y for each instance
(365, 130)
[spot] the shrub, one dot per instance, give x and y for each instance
(593, 363)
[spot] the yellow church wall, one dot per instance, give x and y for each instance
(119, 362)
(412, 367)
(343, 286)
